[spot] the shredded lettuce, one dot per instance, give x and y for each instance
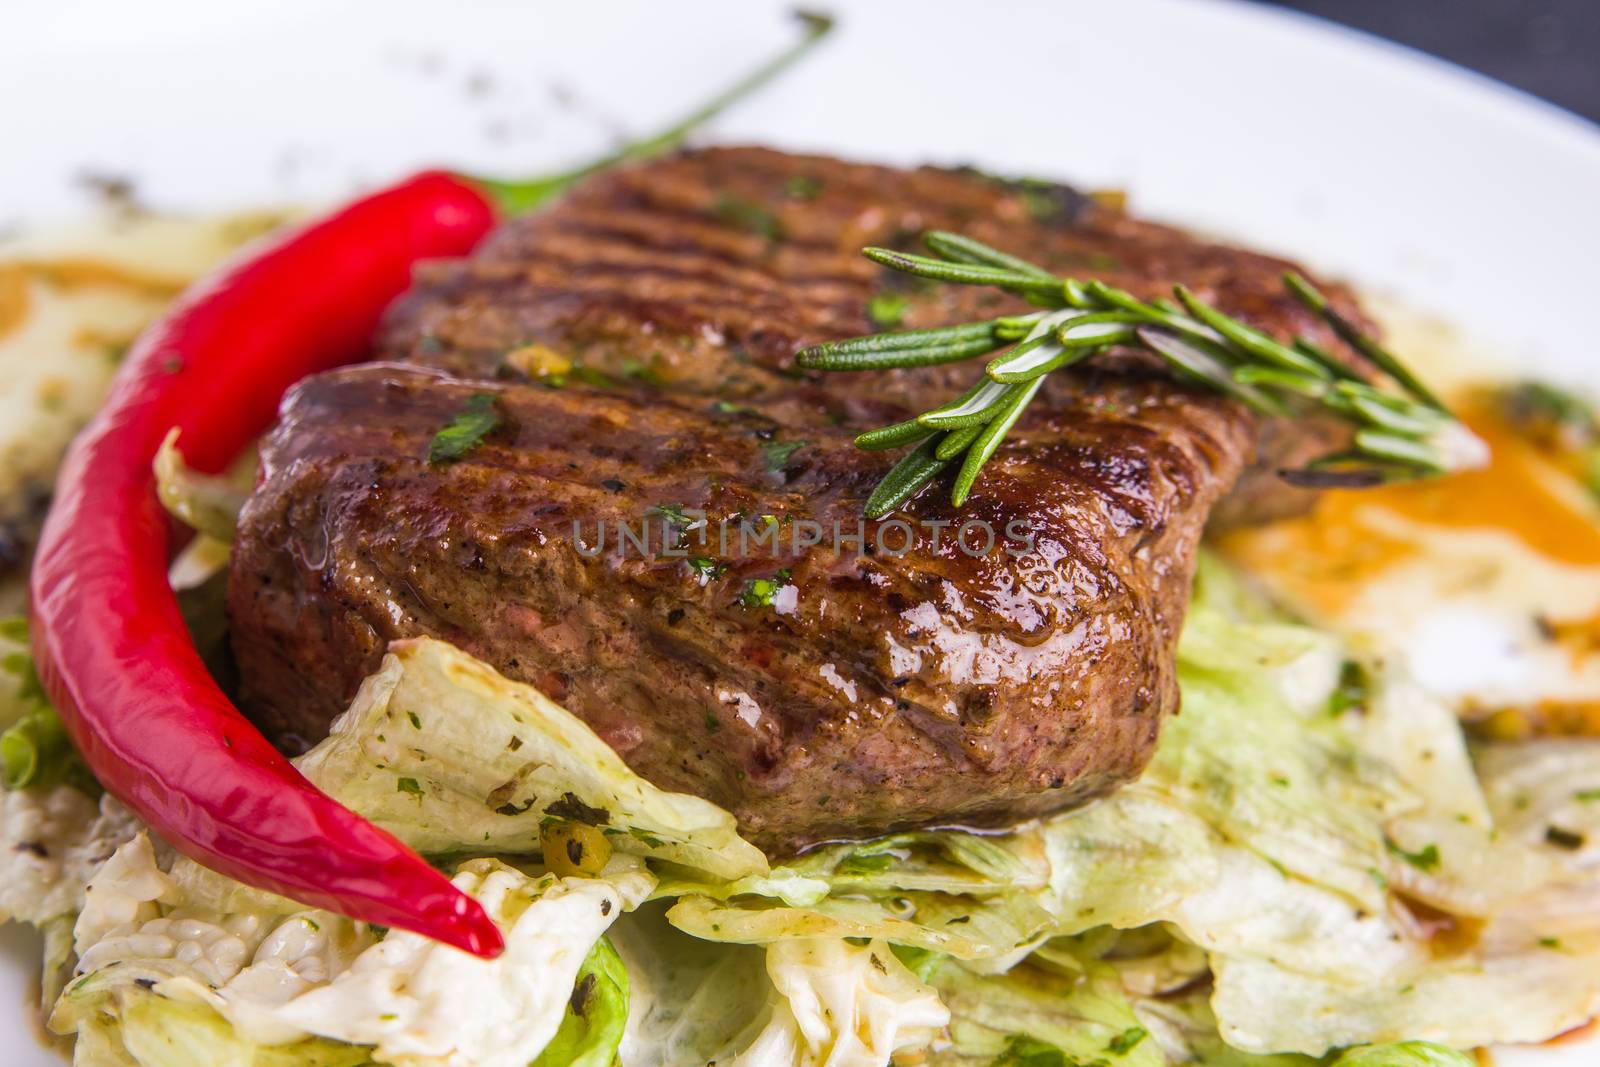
(280, 979)
(449, 755)
(1405, 1054)
(597, 1014)
(207, 503)
(147, 1030)
(1312, 872)
(1071, 1010)
(801, 1003)
(34, 748)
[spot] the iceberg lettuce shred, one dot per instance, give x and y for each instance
(1314, 871)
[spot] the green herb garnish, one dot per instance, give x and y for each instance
(746, 215)
(475, 421)
(1124, 1042)
(1424, 859)
(802, 187)
(776, 454)
(408, 785)
(1399, 435)
(706, 570)
(887, 310)
(1352, 690)
(1021, 1050)
(760, 592)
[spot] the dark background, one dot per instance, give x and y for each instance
(1550, 48)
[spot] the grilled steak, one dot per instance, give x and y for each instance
(637, 343)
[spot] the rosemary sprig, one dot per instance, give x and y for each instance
(1398, 435)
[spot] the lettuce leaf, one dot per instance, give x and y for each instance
(208, 503)
(1043, 1016)
(597, 1014)
(34, 748)
(450, 756)
(280, 979)
(800, 1003)
(146, 1030)
(1405, 1054)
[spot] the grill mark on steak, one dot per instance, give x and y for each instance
(922, 689)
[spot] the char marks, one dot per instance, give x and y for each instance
(663, 305)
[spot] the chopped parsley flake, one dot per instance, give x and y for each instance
(859, 864)
(706, 570)
(1123, 1043)
(409, 785)
(1024, 1051)
(802, 187)
(1549, 942)
(1424, 859)
(1352, 690)
(475, 421)
(416, 720)
(887, 310)
(746, 215)
(1587, 796)
(674, 514)
(777, 453)
(759, 592)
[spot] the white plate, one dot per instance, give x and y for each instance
(1367, 160)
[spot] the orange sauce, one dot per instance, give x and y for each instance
(1321, 562)
(76, 272)
(1513, 495)
(13, 299)
(71, 273)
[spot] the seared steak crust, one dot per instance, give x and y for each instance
(873, 691)
(833, 691)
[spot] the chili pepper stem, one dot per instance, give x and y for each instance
(518, 196)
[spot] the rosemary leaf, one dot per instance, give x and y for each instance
(1352, 335)
(954, 246)
(972, 409)
(1385, 417)
(1334, 477)
(1076, 294)
(1293, 381)
(1194, 361)
(1098, 329)
(1067, 358)
(885, 359)
(1157, 316)
(1030, 353)
(904, 479)
(1016, 327)
(965, 273)
(956, 442)
(901, 433)
(903, 339)
(1253, 342)
(984, 447)
(1406, 450)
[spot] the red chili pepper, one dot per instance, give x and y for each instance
(112, 649)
